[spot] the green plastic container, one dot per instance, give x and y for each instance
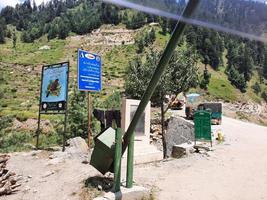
(202, 120)
(103, 153)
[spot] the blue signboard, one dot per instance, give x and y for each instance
(54, 87)
(89, 71)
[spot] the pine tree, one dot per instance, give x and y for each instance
(205, 79)
(264, 70)
(63, 30)
(257, 88)
(140, 45)
(2, 30)
(2, 35)
(14, 37)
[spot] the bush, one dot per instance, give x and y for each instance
(23, 116)
(5, 122)
(257, 88)
(14, 141)
(264, 96)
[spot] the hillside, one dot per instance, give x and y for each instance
(117, 43)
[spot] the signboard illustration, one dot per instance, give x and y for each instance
(89, 71)
(54, 87)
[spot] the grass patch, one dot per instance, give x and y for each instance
(221, 88)
(29, 53)
(15, 141)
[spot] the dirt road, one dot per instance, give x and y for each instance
(236, 169)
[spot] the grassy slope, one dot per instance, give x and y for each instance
(20, 77)
(21, 88)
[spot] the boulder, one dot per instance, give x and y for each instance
(179, 131)
(77, 145)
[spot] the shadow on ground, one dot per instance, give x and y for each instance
(100, 182)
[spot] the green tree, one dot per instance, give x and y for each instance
(180, 76)
(245, 64)
(77, 114)
(63, 30)
(237, 79)
(53, 32)
(257, 88)
(205, 79)
(264, 67)
(2, 30)
(2, 35)
(14, 37)
(140, 46)
(26, 37)
(152, 35)
(264, 96)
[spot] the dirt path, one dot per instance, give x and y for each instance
(235, 170)
(49, 179)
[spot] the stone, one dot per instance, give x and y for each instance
(179, 131)
(179, 151)
(45, 47)
(85, 161)
(49, 173)
(77, 145)
(134, 193)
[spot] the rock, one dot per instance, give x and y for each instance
(45, 47)
(99, 187)
(179, 151)
(85, 162)
(49, 173)
(77, 146)
(56, 161)
(179, 131)
(26, 189)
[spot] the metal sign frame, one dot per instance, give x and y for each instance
(63, 110)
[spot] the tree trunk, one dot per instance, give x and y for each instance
(162, 130)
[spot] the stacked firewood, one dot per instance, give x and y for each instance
(8, 180)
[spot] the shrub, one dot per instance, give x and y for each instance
(264, 95)
(14, 141)
(257, 88)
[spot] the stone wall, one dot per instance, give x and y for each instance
(179, 131)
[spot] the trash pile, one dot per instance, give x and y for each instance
(8, 180)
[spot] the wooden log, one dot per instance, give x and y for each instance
(4, 177)
(2, 160)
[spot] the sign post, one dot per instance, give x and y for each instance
(89, 78)
(54, 94)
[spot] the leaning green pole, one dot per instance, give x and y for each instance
(117, 160)
(166, 56)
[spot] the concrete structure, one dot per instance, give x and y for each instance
(143, 151)
(134, 193)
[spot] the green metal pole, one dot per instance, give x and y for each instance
(166, 56)
(117, 160)
(130, 160)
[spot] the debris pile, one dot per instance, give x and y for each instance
(8, 180)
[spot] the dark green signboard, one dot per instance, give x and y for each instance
(202, 120)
